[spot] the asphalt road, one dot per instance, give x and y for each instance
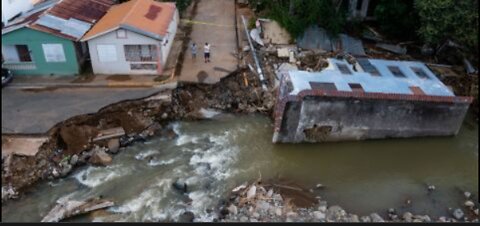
(30, 112)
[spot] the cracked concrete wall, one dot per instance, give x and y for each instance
(323, 119)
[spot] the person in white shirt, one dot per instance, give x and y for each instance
(206, 50)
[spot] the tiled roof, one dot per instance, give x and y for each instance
(146, 17)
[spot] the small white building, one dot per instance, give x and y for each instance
(134, 37)
(12, 8)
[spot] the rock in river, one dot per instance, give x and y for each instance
(114, 145)
(100, 158)
(458, 214)
(186, 217)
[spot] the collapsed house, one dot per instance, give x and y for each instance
(371, 99)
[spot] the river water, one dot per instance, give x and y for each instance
(216, 155)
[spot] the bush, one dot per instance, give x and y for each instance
(397, 18)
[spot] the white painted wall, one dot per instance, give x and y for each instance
(171, 32)
(10, 8)
(119, 65)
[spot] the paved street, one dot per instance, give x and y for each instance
(36, 112)
(214, 23)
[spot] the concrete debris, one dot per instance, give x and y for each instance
(283, 52)
(69, 208)
(255, 35)
(392, 48)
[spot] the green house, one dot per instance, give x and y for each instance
(46, 40)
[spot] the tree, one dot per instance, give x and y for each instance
(449, 19)
(397, 18)
(297, 15)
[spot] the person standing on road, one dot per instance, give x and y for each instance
(194, 50)
(206, 50)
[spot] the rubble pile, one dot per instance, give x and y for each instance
(95, 138)
(268, 203)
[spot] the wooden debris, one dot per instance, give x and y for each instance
(69, 208)
(109, 133)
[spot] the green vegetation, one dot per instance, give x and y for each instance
(397, 18)
(448, 19)
(297, 15)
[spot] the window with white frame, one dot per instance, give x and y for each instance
(54, 53)
(107, 53)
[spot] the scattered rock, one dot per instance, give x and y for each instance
(319, 215)
(278, 212)
(186, 217)
(255, 215)
(180, 186)
(233, 209)
(65, 170)
(476, 212)
(467, 194)
(270, 193)
(407, 216)
(74, 160)
(335, 213)
(458, 214)
(251, 192)
(391, 211)
(243, 219)
(376, 218)
(320, 186)
(55, 173)
(365, 219)
(469, 204)
(113, 145)
(100, 158)
(431, 188)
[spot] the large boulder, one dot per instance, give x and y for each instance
(100, 158)
(114, 145)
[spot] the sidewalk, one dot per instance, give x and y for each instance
(94, 81)
(214, 23)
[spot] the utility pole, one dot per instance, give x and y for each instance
(259, 69)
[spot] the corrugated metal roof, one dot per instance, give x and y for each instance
(69, 19)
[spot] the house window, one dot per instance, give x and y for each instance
(368, 67)
(420, 73)
(323, 86)
(150, 67)
(356, 87)
(121, 33)
(396, 71)
(141, 53)
(16, 53)
(107, 53)
(416, 90)
(344, 69)
(54, 53)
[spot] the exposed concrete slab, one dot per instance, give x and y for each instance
(27, 146)
(215, 24)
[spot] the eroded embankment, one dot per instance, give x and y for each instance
(75, 142)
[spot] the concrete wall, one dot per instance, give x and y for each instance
(120, 66)
(34, 40)
(171, 32)
(319, 119)
(11, 8)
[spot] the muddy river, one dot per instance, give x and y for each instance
(216, 155)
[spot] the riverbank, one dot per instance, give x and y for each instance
(271, 202)
(78, 140)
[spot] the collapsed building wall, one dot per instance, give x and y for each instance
(327, 118)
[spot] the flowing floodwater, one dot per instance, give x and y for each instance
(216, 155)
